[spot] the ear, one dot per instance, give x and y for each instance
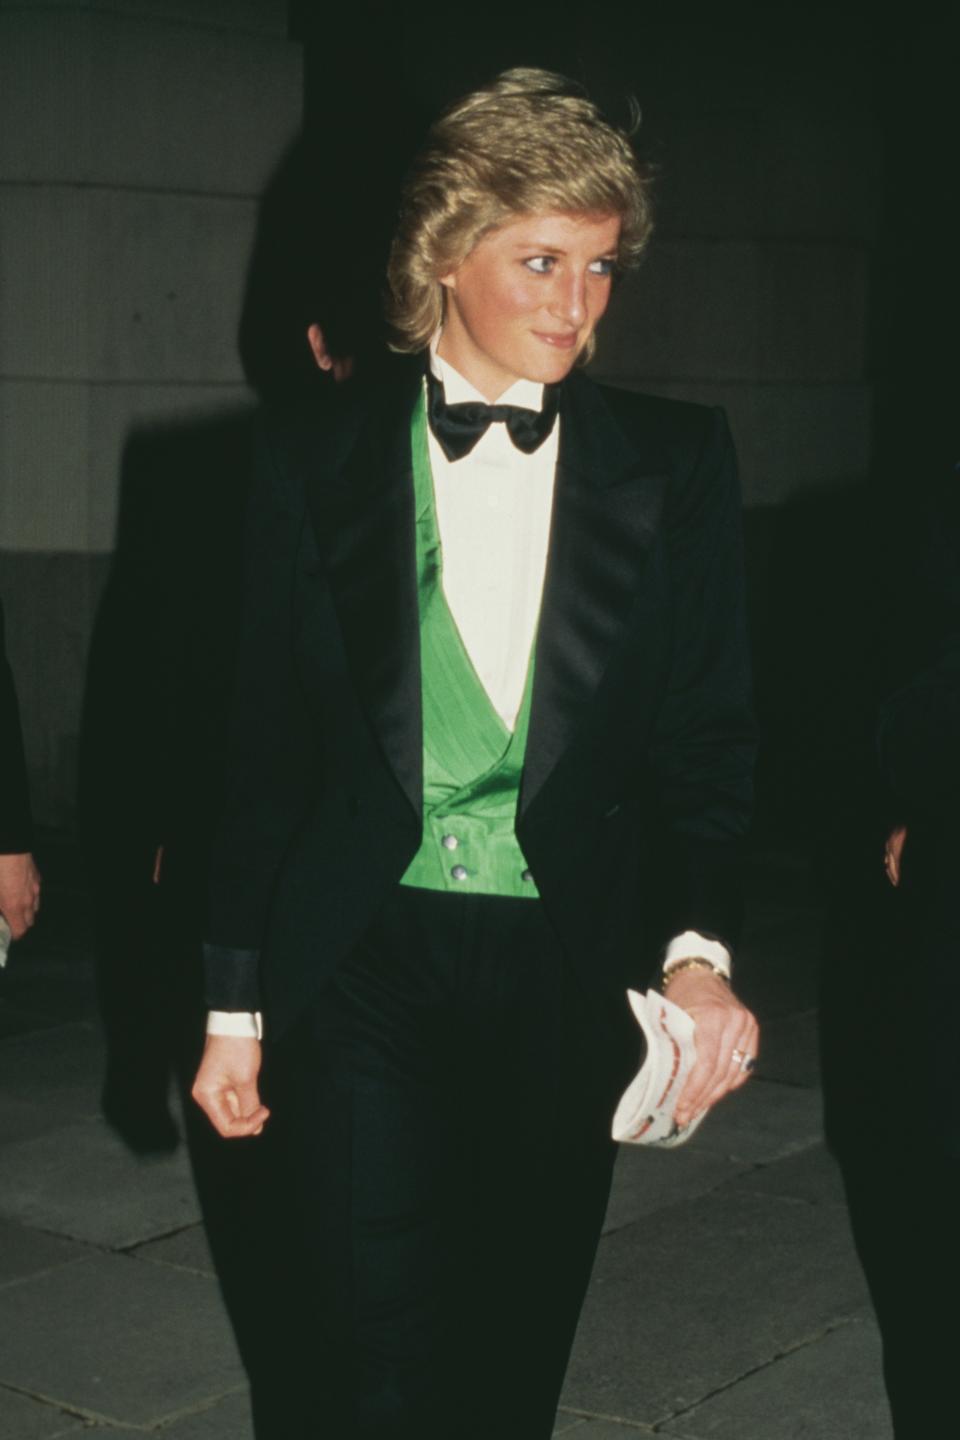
(449, 281)
(318, 347)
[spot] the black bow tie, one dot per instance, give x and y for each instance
(459, 427)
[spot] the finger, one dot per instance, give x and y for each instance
(720, 1072)
(222, 1108)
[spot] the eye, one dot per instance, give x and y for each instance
(604, 267)
(540, 264)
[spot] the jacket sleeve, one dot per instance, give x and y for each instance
(16, 835)
(271, 757)
(703, 751)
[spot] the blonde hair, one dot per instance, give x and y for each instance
(530, 142)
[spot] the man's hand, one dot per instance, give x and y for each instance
(893, 852)
(19, 892)
(226, 1086)
(725, 1034)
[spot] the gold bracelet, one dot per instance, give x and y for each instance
(696, 962)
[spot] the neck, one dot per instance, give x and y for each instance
(490, 387)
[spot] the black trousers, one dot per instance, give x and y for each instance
(443, 1115)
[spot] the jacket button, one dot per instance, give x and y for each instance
(449, 842)
(459, 872)
(527, 875)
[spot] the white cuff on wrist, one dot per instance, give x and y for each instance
(245, 1024)
(690, 946)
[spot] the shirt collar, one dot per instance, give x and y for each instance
(457, 389)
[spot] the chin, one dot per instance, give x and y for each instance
(551, 369)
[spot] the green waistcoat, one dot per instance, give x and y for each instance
(471, 762)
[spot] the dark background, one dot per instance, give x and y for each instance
(800, 275)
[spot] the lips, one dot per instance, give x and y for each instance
(559, 342)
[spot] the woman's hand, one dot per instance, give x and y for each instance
(226, 1086)
(892, 853)
(19, 892)
(727, 1037)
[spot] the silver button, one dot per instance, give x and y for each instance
(526, 875)
(459, 872)
(449, 842)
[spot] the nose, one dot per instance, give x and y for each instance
(570, 299)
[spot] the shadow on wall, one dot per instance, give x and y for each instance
(159, 677)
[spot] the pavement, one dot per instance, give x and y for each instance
(726, 1301)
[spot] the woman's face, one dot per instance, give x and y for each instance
(527, 298)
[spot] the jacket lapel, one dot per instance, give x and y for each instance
(363, 512)
(606, 509)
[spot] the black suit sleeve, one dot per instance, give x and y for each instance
(16, 833)
(703, 749)
(271, 756)
(919, 721)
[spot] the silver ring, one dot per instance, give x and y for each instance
(746, 1062)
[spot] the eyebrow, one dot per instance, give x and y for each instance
(540, 248)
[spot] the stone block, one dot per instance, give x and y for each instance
(56, 1070)
(26, 1252)
(22, 1418)
(732, 1275)
(812, 1176)
(81, 1181)
(226, 1419)
(586, 1429)
(100, 285)
(110, 99)
(646, 1180)
(266, 17)
(762, 1123)
(186, 1250)
(119, 1341)
(829, 1388)
(61, 447)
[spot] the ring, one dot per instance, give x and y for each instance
(745, 1061)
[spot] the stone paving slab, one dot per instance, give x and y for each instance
(83, 1182)
(646, 1180)
(227, 1419)
(761, 1123)
(812, 1176)
(828, 1390)
(741, 1278)
(118, 1341)
(188, 1249)
(607, 1430)
(59, 1069)
(26, 1252)
(22, 1418)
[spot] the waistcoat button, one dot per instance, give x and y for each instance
(526, 875)
(459, 872)
(449, 842)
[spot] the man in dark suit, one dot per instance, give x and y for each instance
(492, 754)
(19, 878)
(902, 1162)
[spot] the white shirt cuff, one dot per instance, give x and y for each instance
(692, 946)
(245, 1024)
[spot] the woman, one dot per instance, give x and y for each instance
(492, 749)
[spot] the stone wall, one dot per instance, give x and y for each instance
(135, 138)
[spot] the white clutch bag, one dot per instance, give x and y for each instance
(644, 1115)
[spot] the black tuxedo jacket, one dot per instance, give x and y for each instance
(637, 781)
(16, 836)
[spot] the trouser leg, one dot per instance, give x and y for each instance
(446, 1109)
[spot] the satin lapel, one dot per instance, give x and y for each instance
(606, 508)
(364, 517)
